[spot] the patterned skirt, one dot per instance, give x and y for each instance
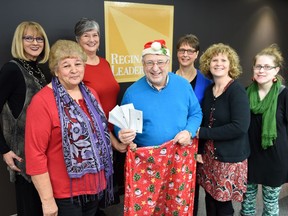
(223, 181)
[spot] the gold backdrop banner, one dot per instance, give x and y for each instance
(128, 26)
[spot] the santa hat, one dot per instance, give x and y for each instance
(156, 47)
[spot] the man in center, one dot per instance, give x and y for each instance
(170, 107)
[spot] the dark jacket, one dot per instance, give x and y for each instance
(231, 120)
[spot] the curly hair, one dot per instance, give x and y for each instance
(220, 48)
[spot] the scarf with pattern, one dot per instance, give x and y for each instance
(86, 143)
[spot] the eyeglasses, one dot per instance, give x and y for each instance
(160, 64)
(189, 51)
(31, 39)
(265, 67)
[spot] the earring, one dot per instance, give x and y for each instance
(253, 79)
(274, 80)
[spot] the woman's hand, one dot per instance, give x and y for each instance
(9, 159)
(120, 147)
(50, 208)
(199, 158)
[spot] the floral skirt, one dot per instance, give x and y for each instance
(223, 181)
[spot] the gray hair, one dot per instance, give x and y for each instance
(85, 25)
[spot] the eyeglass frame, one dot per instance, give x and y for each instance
(189, 51)
(31, 39)
(265, 67)
(151, 63)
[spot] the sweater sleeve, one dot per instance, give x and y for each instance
(194, 114)
(37, 135)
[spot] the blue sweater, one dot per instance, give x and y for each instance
(165, 112)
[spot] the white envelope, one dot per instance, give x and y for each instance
(126, 116)
(136, 120)
(117, 117)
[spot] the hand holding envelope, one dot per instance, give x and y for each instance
(126, 116)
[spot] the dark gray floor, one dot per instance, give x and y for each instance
(117, 210)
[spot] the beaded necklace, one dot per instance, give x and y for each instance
(36, 74)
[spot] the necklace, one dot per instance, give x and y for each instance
(36, 74)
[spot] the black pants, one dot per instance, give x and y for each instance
(78, 207)
(27, 198)
(217, 208)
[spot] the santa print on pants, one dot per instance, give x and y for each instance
(160, 180)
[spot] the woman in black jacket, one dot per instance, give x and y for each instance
(226, 119)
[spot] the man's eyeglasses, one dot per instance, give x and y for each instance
(189, 51)
(160, 64)
(31, 39)
(265, 67)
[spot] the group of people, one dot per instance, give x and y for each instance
(67, 167)
(66, 164)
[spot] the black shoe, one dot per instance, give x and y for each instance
(100, 212)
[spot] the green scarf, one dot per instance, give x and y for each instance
(267, 107)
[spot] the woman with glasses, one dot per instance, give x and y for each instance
(20, 79)
(268, 133)
(226, 118)
(188, 47)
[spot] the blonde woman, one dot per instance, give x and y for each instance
(268, 137)
(226, 119)
(20, 79)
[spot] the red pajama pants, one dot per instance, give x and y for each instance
(160, 180)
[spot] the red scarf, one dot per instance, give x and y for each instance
(160, 180)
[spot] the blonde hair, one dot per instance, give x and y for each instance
(63, 49)
(274, 51)
(17, 48)
(220, 48)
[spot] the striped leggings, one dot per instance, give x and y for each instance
(270, 200)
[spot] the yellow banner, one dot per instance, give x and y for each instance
(128, 26)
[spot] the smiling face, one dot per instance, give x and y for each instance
(219, 66)
(263, 76)
(186, 55)
(89, 41)
(70, 72)
(32, 49)
(156, 69)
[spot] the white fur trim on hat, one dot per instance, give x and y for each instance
(156, 49)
